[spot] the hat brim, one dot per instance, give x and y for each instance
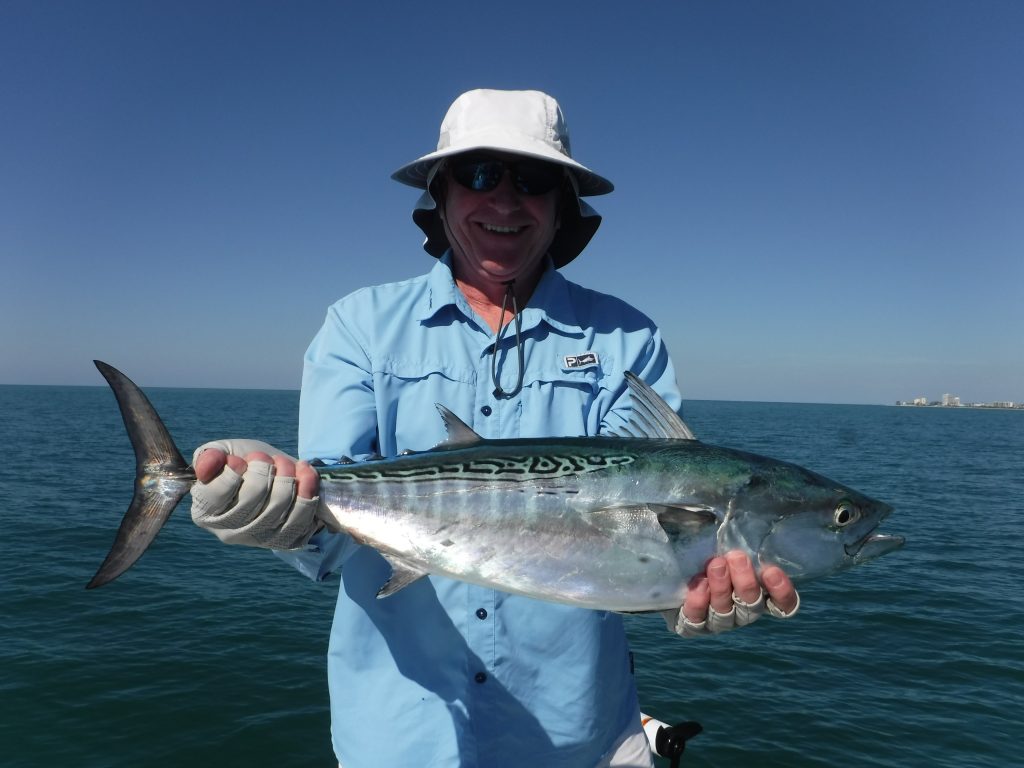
(416, 173)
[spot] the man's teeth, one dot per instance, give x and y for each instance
(501, 230)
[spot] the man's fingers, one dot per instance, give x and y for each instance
(284, 466)
(698, 598)
(209, 464)
(212, 461)
(744, 581)
(307, 481)
(237, 463)
(729, 594)
(719, 584)
(780, 588)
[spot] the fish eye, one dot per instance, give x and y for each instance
(846, 514)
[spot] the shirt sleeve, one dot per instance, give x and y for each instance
(337, 411)
(337, 417)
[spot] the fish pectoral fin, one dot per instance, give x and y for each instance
(629, 521)
(684, 521)
(652, 524)
(655, 522)
(402, 575)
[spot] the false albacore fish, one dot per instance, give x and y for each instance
(616, 523)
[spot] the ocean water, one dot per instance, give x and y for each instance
(207, 655)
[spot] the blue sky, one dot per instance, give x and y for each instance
(816, 201)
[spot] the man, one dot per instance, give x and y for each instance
(444, 673)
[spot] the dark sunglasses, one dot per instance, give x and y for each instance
(530, 177)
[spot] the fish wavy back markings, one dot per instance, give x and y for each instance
(507, 469)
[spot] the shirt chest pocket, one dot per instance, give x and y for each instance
(407, 393)
(562, 403)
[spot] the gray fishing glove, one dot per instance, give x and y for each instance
(739, 615)
(257, 509)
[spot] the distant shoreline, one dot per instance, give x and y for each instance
(969, 406)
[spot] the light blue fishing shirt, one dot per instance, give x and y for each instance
(444, 673)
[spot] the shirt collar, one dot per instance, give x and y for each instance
(550, 302)
(442, 291)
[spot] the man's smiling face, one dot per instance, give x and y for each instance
(501, 234)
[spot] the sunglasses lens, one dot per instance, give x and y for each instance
(537, 178)
(530, 178)
(479, 175)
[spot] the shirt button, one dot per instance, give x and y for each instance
(480, 677)
(486, 410)
(481, 613)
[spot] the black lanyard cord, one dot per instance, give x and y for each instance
(499, 334)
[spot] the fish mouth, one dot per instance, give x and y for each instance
(873, 545)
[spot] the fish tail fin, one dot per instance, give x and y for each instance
(162, 477)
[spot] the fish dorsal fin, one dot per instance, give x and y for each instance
(402, 575)
(460, 434)
(651, 415)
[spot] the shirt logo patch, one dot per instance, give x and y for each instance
(587, 359)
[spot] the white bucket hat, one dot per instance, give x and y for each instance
(528, 123)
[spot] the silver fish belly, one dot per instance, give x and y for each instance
(547, 521)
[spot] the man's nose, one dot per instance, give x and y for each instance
(505, 195)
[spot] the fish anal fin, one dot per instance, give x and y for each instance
(402, 575)
(637, 613)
